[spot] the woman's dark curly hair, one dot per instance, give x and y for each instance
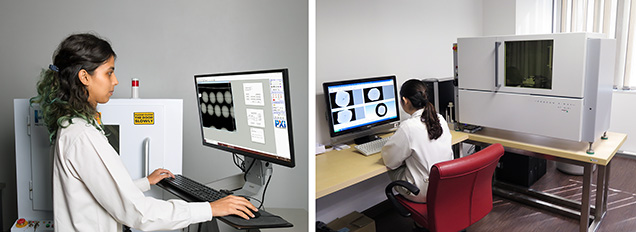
(61, 94)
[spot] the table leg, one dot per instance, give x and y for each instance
(601, 197)
(585, 201)
(606, 188)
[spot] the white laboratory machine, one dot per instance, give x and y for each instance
(147, 133)
(555, 85)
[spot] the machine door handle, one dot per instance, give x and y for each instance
(146, 153)
(497, 85)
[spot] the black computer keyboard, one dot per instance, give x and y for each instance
(195, 191)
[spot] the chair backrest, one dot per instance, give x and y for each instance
(460, 190)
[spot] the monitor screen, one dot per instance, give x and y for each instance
(247, 113)
(360, 104)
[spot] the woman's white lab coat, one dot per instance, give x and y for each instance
(410, 154)
(93, 191)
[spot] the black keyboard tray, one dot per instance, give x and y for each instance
(266, 220)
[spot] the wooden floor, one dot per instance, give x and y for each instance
(512, 216)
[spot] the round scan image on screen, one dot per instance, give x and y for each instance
(204, 96)
(341, 98)
(381, 109)
(210, 109)
(228, 97)
(344, 116)
(373, 94)
(216, 106)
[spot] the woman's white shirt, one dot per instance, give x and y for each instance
(411, 146)
(93, 191)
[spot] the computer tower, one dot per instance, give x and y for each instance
(441, 92)
(520, 169)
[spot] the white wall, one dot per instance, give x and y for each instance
(164, 43)
(622, 119)
(518, 17)
(499, 17)
(365, 38)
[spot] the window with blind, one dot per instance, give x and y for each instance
(616, 19)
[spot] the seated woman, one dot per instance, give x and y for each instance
(420, 142)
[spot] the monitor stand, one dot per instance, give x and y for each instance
(255, 177)
(366, 139)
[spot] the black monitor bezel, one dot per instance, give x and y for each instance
(285, 73)
(325, 87)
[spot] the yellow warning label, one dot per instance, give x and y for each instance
(144, 118)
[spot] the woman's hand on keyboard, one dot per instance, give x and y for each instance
(159, 175)
(233, 205)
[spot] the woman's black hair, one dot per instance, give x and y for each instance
(61, 94)
(415, 91)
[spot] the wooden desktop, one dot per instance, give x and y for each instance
(336, 170)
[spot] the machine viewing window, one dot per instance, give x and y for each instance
(529, 64)
(247, 113)
(360, 104)
(112, 134)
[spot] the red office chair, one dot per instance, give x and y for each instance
(459, 192)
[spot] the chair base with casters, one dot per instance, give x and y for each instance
(459, 192)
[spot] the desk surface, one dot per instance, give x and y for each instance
(604, 150)
(336, 170)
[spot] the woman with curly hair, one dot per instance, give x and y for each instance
(92, 190)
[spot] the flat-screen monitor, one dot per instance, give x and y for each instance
(360, 104)
(247, 113)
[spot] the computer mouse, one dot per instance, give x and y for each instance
(256, 213)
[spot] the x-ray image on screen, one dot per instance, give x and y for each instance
(381, 109)
(217, 106)
(342, 98)
(373, 94)
(344, 116)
